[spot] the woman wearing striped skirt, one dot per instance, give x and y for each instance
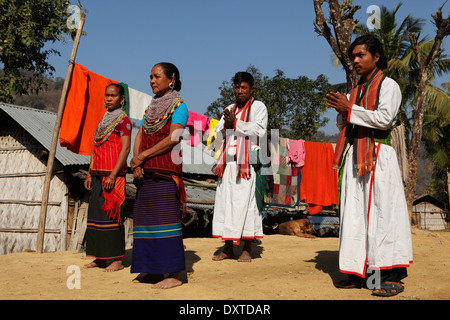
(105, 237)
(158, 242)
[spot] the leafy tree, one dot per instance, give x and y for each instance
(25, 27)
(403, 66)
(426, 67)
(436, 139)
(294, 106)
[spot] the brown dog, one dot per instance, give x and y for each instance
(299, 228)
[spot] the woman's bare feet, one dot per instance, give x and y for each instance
(172, 281)
(116, 265)
(94, 264)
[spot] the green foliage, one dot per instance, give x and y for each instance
(402, 63)
(25, 28)
(294, 106)
(436, 138)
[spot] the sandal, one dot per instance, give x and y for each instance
(391, 289)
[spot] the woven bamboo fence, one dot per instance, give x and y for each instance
(22, 174)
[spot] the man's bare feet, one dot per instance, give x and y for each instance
(115, 266)
(222, 256)
(245, 257)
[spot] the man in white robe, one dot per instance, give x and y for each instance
(374, 228)
(236, 214)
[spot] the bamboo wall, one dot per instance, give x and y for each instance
(22, 175)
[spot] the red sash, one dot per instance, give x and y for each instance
(242, 147)
(365, 95)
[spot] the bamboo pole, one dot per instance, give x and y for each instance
(51, 157)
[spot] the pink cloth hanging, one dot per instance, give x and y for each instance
(296, 152)
(196, 123)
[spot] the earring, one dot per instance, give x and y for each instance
(122, 103)
(171, 85)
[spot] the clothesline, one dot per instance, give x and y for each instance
(304, 174)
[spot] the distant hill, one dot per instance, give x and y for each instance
(47, 99)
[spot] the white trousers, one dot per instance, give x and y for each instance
(236, 215)
(375, 227)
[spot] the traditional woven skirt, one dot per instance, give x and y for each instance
(105, 238)
(158, 241)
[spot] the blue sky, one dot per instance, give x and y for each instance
(210, 40)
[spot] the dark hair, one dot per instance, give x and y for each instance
(121, 91)
(243, 77)
(171, 70)
(118, 86)
(373, 45)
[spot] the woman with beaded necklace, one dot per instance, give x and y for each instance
(105, 236)
(158, 242)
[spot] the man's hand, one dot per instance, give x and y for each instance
(229, 118)
(339, 102)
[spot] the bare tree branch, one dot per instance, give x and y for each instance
(343, 23)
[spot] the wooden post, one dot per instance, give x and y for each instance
(51, 157)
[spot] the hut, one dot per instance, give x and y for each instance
(430, 213)
(25, 139)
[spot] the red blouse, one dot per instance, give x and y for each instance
(105, 156)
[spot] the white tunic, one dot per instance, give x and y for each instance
(236, 215)
(375, 227)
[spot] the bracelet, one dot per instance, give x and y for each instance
(139, 158)
(111, 178)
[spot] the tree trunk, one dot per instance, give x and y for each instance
(443, 30)
(341, 18)
(448, 186)
(415, 142)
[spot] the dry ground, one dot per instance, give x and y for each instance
(283, 268)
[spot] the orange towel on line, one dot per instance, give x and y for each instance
(319, 184)
(83, 110)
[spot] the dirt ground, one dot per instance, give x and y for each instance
(283, 268)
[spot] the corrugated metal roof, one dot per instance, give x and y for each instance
(197, 160)
(40, 124)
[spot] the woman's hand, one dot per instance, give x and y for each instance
(88, 182)
(109, 183)
(136, 167)
(135, 162)
(138, 173)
